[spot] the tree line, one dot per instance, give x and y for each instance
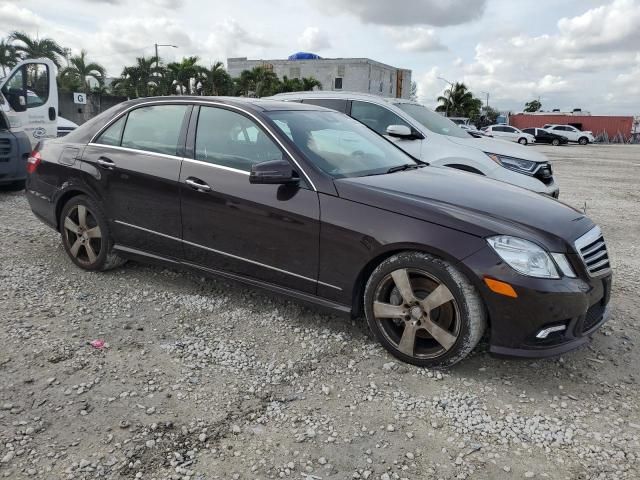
(148, 76)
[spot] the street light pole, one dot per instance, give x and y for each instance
(156, 45)
(487, 103)
(450, 89)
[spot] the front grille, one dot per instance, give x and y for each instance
(593, 251)
(544, 174)
(593, 316)
(5, 149)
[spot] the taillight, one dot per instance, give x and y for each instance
(33, 161)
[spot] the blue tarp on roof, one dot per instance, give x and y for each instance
(304, 56)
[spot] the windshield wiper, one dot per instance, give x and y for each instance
(406, 166)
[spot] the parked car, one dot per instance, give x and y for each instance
(507, 132)
(572, 133)
(311, 203)
(544, 136)
(429, 136)
(65, 126)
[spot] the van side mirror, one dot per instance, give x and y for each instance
(16, 101)
(402, 131)
(274, 172)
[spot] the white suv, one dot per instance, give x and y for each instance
(507, 132)
(436, 140)
(572, 133)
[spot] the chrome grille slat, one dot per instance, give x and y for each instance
(595, 257)
(589, 251)
(593, 252)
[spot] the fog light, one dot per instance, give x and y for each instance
(545, 332)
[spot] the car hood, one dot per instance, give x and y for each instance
(507, 148)
(470, 203)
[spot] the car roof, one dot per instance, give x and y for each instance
(341, 95)
(257, 104)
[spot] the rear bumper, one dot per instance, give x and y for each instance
(581, 305)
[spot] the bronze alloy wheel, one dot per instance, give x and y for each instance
(417, 313)
(83, 235)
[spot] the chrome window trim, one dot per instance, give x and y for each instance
(202, 103)
(220, 252)
(215, 165)
(135, 150)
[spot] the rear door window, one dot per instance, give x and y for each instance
(332, 103)
(155, 128)
(375, 117)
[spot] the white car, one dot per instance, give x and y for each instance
(428, 136)
(65, 126)
(572, 133)
(507, 132)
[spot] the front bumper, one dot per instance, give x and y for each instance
(579, 304)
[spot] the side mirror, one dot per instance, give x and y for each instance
(22, 101)
(402, 131)
(274, 172)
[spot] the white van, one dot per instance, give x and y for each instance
(436, 140)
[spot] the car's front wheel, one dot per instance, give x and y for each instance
(522, 141)
(86, 236)
(583, 140)
(423, 310)
(555, 142)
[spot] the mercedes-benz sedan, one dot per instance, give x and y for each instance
(311, 203)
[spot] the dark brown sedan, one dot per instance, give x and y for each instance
(310, 203)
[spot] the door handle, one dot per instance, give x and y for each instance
(106, 163)
(197, 184)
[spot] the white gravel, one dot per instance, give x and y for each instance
(203, 379)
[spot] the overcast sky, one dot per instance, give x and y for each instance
(570, 53)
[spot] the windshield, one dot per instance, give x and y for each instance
(432, 120)
(339, 145)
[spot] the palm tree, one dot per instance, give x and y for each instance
(308, 83)
(37, 48)
(216, 80)
(81, 70)
(8, 56)
(139, 80)
(184, 72)
(459, 101)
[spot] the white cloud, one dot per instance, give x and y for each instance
(596, 43)
(230, 39)
(417, 12)
(13, 17)
(415, 39)
(314, 39)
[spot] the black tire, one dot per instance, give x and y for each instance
(583, 141)
(459, 316)
(88, 242)
(555, 142)
(522, 141)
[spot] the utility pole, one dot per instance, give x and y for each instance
(156, 45)
(486, 105)
(450, 89)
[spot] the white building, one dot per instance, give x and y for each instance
(348, 74)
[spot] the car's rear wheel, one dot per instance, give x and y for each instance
(423, 310)
(522, 141)
(555, 142)
(583, 140)
(86, 236)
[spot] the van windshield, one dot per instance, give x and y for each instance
(432, 121)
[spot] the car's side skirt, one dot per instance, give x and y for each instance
(136, 254)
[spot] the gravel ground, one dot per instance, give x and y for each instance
(203, 379)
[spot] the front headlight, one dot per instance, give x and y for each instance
(518, 164)
(524, 256)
